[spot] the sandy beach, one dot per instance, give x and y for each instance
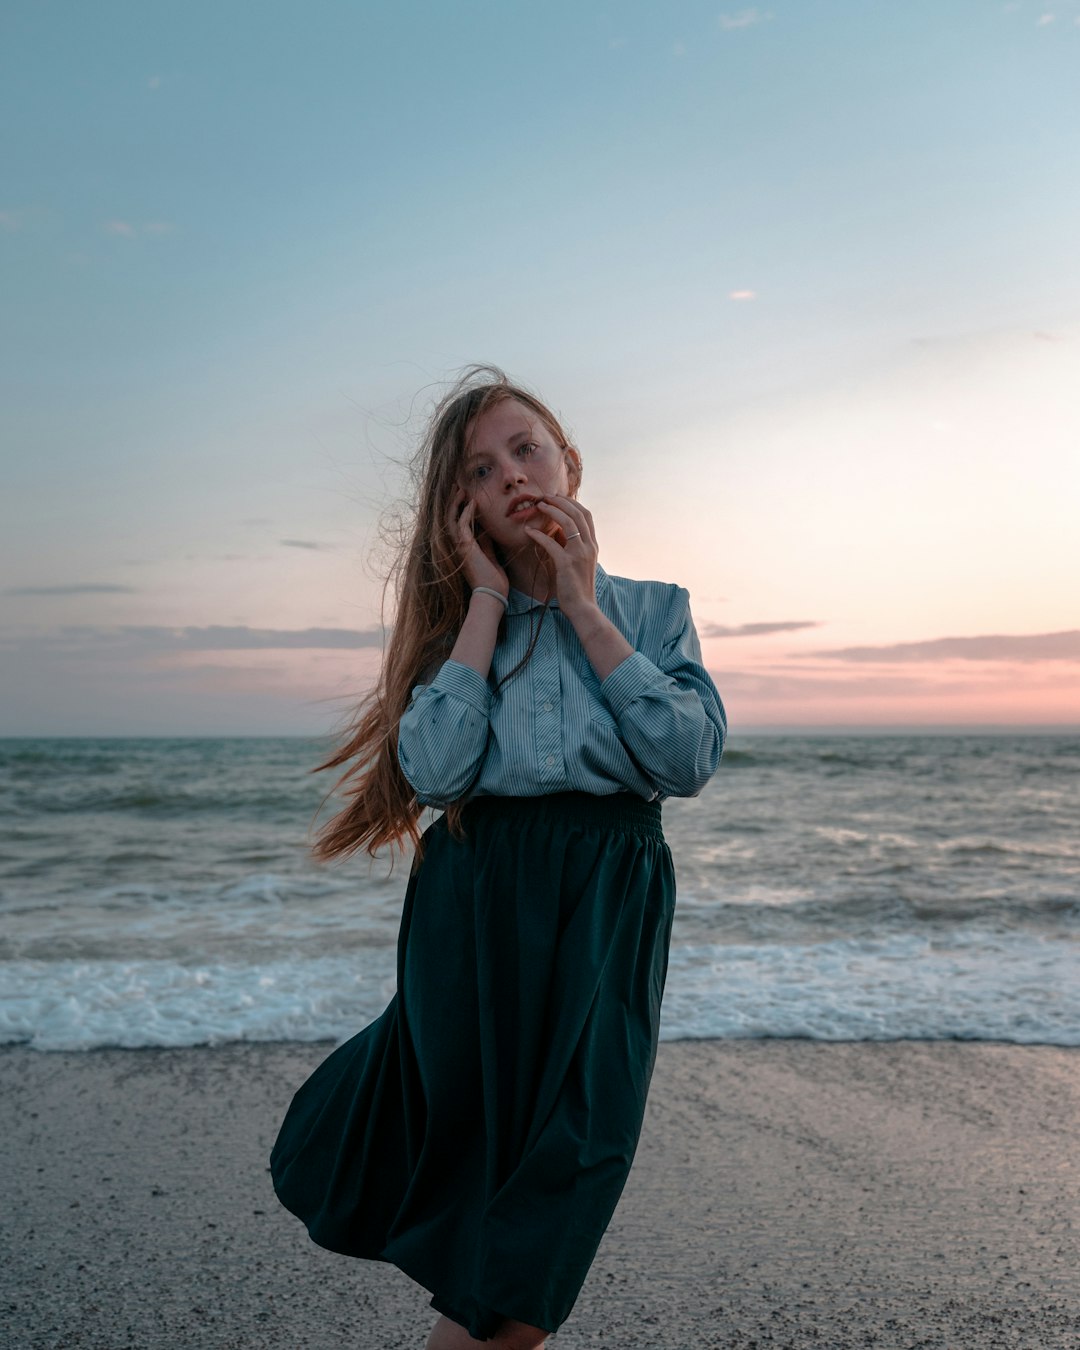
(785, 1194)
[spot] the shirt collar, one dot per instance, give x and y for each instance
(520, 603)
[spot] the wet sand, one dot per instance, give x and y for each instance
(902, 1196)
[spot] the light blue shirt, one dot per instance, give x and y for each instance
(655, 726)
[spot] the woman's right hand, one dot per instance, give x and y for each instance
(477, 556)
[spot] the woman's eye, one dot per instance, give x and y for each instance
(527, 448)
(480, 471)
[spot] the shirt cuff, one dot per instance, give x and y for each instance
(462, 682)
(629, 680)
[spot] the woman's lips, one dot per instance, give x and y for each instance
(524, 511)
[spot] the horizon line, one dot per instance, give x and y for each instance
(759, 729)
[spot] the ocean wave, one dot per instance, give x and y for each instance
(977, 985)
(740, 759)
(162, 892)
(161, 800)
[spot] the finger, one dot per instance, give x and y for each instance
(571, 518)
(464, 526)
(545, 540)
(571, 506)
(558, 515)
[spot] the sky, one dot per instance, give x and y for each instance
(802, 281)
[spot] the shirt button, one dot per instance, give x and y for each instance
(550, 760)
(547, 707)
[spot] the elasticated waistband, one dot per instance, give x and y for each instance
(619, 811)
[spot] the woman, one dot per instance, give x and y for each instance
(479, 1133)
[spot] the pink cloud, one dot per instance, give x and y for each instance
(1063, 646)
(719, 630)
(986, 696)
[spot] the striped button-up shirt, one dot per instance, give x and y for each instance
(655, 726)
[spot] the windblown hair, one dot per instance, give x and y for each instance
(431, 599)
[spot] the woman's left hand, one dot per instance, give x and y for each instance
(573, 552)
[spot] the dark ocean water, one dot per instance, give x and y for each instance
(159, 892)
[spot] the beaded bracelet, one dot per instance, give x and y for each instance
(490, 590)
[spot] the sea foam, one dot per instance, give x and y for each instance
(972, 986)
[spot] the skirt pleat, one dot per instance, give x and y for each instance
(479, 1133)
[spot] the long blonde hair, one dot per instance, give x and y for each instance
(431, 598)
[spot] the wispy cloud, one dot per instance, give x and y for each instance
(781, 687)
(139, 641)
(1063, 646)
(719, 630)
(72, 588)
(743, 18)
(125, 229)
(1044, 19)
(37, 218)
(969, 339)
(304, 543)
(221, 637)
(742, 295)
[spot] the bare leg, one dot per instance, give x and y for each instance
(448, 1335)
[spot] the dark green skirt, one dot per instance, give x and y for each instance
(479, 1133)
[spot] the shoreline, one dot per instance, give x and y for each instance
(787, 1192)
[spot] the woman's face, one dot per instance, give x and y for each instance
(512, 458)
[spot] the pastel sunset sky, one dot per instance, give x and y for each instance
(802, 280)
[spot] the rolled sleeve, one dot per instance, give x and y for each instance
(629, 680)
(670, 715)
(443, 734)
